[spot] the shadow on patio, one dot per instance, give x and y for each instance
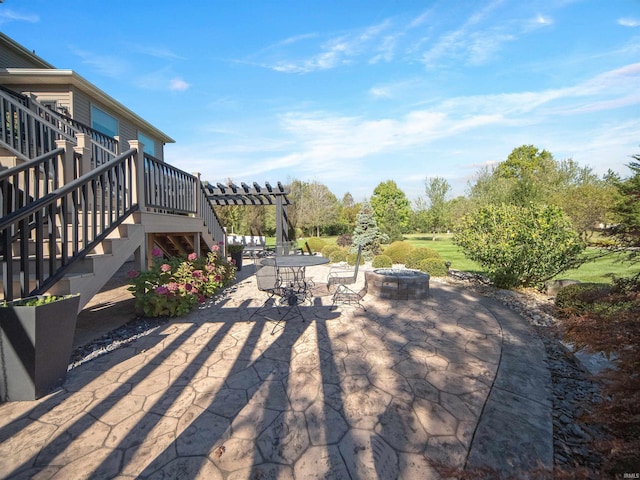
(346, 394)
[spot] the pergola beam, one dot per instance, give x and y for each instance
(231, 194)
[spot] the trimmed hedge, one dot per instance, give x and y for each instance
(415, 256)
(351, 259)
(382, 261)
(398, 251)
(435, 267)
(339, 255)
(316, 244)
(329, 249)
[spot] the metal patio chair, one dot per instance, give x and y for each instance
(280, 293)
(342, 278)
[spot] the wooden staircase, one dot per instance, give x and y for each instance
(91, 273)
(70, 222)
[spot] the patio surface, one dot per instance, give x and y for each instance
(347, 394)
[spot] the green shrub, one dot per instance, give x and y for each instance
(329, 249)
(520, 246)
(316, 244)
(381, 261)
(398, 251)
(581, 298)
(415, 256)
(435, 267)
(351, 259)
(339, 255)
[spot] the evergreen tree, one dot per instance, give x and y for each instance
(367, 234)
(627, 230)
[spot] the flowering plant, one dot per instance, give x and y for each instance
(173, 287)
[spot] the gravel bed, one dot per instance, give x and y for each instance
(124, 335)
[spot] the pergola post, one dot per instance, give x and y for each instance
(282, 223)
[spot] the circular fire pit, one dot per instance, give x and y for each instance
(396, 284)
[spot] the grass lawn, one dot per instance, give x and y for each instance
(599, 270)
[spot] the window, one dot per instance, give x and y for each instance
(103, 122)
(149, 144)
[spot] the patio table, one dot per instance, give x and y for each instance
(296, 264)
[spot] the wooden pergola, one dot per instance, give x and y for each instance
(256, 194)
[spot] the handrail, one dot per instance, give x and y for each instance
(27, 132)
(171, 190)
(167, 188)
(211, 219)
(25, 183)
(81, 214)
(24, 99)
(105, 141)
(35, 128)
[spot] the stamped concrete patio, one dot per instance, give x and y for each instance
(456, 379)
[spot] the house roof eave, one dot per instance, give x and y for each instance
(44, 76)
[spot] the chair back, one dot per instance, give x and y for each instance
(266, 276)
(358, 257)
(287, 248)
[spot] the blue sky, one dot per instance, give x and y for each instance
(353, 93)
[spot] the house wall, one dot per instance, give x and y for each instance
(78, 103)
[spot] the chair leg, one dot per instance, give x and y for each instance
(264, 306)
(289, 309)
(346, 296)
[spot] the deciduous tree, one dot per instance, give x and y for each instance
(520, 246)
(385, 194)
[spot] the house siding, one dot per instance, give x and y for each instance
(81, 109)
(12, 59)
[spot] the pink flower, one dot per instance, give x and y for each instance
(210, 268)
(156, 252)
(162, 290)
(133, 273)
(218, 278)
(197, 274)
(172, 286)
(201, 299)
(215, 248)
(188, 287)
(165, 267)
(192, 256)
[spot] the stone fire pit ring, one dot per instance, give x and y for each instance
(397, 284)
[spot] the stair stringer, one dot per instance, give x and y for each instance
(124, 243)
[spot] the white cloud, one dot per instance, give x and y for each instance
(629, 22)
(107, 65)
(8, 15)
(380, 92)
(336, 51)
(178, 85)
(157, 52)
(543, 20)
